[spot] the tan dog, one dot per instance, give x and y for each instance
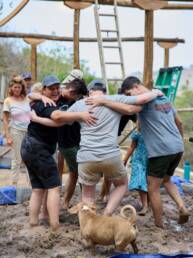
(104, 230)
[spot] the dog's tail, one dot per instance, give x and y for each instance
(133, 217)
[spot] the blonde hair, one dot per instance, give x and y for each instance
(37, 87)
(17, 80)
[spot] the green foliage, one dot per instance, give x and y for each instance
(16, 59)
(185, 101)
(112, 89)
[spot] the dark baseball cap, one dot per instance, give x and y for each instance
(26, 75)
(50, 80)
(97, 84)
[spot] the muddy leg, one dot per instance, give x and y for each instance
(134, 246)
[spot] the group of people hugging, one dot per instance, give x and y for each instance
(82, 122)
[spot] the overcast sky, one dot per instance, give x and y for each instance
(48, 17)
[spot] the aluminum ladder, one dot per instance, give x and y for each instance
(105, 64)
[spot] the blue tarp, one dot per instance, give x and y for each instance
(151, 256)
(7, 195)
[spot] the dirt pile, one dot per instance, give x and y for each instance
(18, 240)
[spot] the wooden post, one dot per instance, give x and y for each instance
(148, 50)
(76, 38)
(34, 62)
(33, 42)
(149, 6)
(166, 46)
(77, 7)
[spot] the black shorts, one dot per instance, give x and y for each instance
(164, 165)
(42, 168)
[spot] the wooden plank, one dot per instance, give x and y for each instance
(34, 41)
(150, 5)
(148, 50)
(78, 5)
(4, 151)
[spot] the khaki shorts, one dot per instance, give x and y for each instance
(91, 172)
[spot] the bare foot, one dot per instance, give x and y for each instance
(143, 211)
(55, 227)
(159, 225)
(65, 206)
(183, 216)
(33, 224)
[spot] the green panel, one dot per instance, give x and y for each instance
(168, 81)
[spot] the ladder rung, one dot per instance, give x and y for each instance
(113, 63)
(109, 31)
(111, 46)
(107, 14)
(114, 79)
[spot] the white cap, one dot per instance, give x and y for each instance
(74, 74)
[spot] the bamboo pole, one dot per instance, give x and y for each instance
(148, 50)
(76, 38)
(70, 39)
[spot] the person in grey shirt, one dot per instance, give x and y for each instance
(162, 132)
(99, 153)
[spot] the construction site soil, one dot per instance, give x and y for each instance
(17, 239)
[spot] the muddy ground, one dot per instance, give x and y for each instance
(17, 239)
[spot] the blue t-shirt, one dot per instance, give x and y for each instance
(158, 128)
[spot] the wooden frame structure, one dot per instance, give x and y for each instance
(35, 39)
(149, 6)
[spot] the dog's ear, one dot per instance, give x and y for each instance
(75, 209)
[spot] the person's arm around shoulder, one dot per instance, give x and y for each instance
(73, 114)
(115, 104)
(43, 120)
(33, 96)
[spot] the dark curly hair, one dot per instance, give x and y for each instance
(78, 86)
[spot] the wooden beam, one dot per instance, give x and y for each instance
(70, 39)
(128, 3)
(14, 12)
(149, 4)
(148, 50)
(33, 43)
(76, 38)
(78, 5)
(166, 46)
